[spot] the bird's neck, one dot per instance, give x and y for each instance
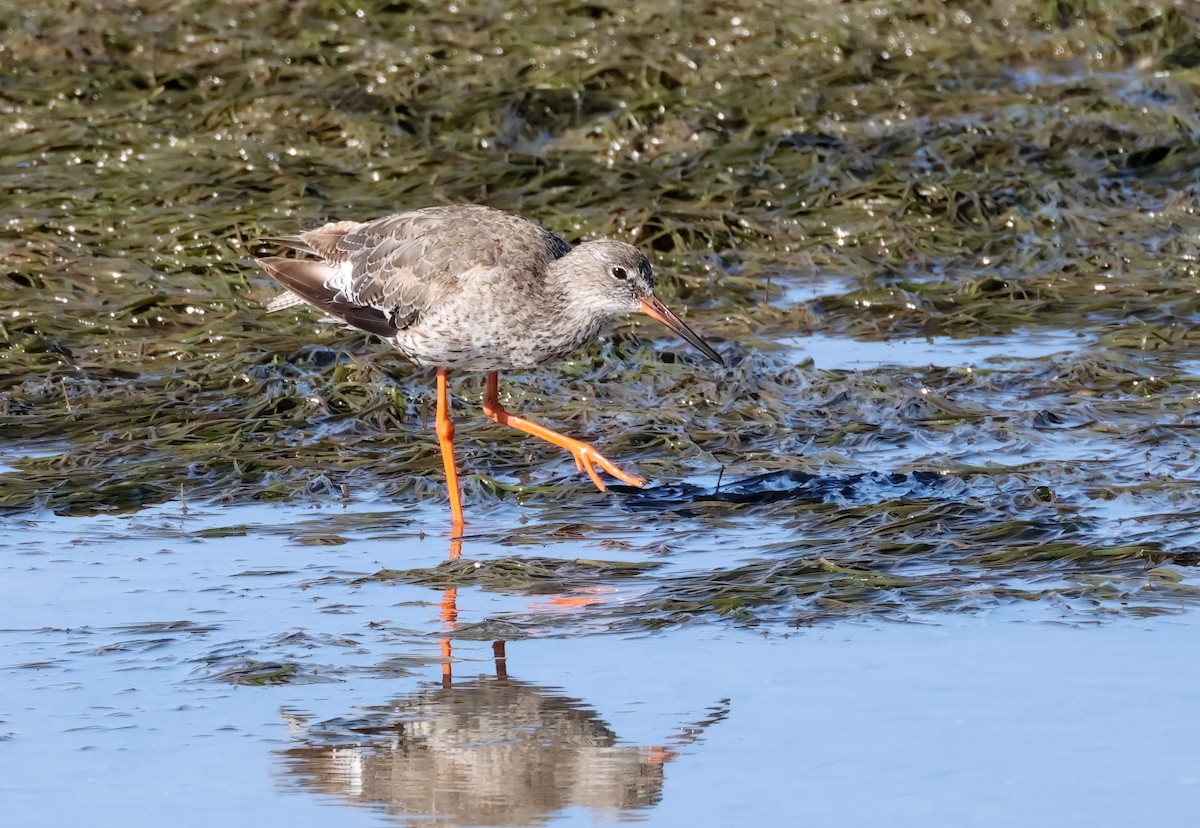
(570, 297)
(573, 314)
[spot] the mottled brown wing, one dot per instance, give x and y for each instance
(407, 263)
(397, 267)
(308, 280)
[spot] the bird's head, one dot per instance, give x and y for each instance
(615, 279)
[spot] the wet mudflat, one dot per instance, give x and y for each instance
(925, 550)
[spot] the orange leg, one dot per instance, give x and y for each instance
(445, 433)
(586, 457)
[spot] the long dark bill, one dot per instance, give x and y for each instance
(653, 306)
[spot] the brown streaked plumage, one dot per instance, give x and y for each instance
(474, 288)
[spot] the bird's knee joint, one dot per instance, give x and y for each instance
(445, 429)
(494, 411)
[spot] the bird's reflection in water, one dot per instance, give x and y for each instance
(485, 750)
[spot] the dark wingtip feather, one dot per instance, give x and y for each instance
(309, 280)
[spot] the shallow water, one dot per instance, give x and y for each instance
(169, 662)
(842, 353)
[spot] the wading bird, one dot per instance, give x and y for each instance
(468, 287)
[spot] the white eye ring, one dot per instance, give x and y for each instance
(620, 272)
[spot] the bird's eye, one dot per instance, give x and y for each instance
(620, 273)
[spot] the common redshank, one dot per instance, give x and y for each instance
(474, 288)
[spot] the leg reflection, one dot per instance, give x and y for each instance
(449, 614)
(501, 659)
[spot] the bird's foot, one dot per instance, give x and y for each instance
(587, 459)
